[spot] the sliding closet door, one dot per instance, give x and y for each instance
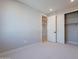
(72, 27)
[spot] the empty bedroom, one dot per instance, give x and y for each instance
(38, 29)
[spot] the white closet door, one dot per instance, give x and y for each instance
(51, 26)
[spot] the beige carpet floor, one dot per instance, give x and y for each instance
(46, 51)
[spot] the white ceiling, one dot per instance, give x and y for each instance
(45, 5)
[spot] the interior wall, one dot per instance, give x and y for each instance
(20, 25)
(61, 23)
(60, 28)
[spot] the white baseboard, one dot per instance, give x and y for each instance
(71, 42)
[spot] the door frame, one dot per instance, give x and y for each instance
(43, 39)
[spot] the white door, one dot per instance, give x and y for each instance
(51, 26)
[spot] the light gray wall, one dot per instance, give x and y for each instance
(60, 28)
(20, 25)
